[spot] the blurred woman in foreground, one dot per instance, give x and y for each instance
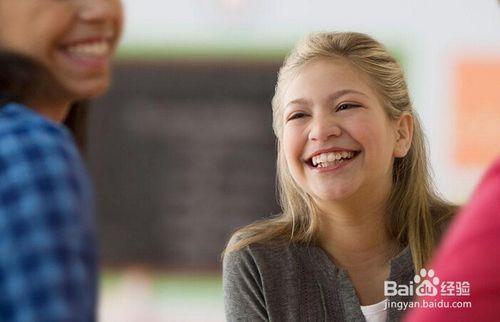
(53, 54)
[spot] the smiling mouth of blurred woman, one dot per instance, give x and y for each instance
(89, 54)
(331, 160)
(92, 49)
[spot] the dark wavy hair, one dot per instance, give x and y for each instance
(23, 79)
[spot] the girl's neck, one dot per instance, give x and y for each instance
(355, 233)
(356, 241)
(360, 243)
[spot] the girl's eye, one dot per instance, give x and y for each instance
(346, 106)
(295, 116)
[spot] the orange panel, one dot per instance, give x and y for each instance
(477, 130)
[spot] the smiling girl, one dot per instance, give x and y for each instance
(358, 204)
(52, 54)
(73, 39)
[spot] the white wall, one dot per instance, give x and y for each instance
(432, 35)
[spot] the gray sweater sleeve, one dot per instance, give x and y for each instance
(242, 283)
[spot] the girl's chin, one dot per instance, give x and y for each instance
(83, 91)
(335, 195)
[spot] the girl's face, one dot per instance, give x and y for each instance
(337, 139)
(74, 39)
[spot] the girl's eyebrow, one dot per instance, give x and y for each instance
(331, 97)
(298, 101)
(343, 92)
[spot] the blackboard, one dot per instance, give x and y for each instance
(181, 155)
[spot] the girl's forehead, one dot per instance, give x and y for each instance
(324, 77)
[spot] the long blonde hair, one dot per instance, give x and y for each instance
(417, 213)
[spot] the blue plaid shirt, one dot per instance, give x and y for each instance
(47, 246)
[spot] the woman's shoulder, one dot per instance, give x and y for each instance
(38, 153)
(245, 241)
(269, 254)
(20, 120)
(23, 130)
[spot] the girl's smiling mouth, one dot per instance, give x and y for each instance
(97, 48)
(94, 52)
(331, 160)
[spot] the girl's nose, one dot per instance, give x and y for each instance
(323, 128)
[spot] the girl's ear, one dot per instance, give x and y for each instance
(404, 135)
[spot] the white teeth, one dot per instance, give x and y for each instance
(96, 49)
(325, 164)
(327, 159)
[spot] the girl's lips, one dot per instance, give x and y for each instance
(333, 167)
(329, 150)
(88, 56)
(86, 63)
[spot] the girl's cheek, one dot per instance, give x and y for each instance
(363, 129)
(293, 139)
(289, 148)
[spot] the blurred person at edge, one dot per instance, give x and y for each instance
(53, 54)
(358, 204)
(470, 252)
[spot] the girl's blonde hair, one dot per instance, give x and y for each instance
(417, 213)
